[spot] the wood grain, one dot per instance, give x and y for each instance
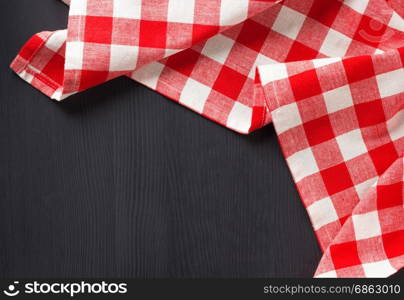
(120, 182)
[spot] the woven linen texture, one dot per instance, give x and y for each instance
(328, 74)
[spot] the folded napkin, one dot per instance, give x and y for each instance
(328, 74)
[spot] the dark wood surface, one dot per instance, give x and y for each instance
(119, 181)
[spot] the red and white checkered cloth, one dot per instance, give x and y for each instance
(341, 125)
(328, 73)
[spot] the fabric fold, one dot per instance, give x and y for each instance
(107, 39)
(340, 123)
(328, 74)
(371, 241)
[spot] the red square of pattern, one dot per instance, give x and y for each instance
(98, 30)
(337, 178)
(325, 12)
(183, 62)
(203, 32)
(370, 113)
(369, 34)
(394, 243)
(229, 83)
(305, 85)
(401, 52)
(54, 69)
(358, 68)
(253, 35)
(389, 195)
(383, 157)
(300, 52)
(92, 78)
(344, 255)
(318, 130)
(30, 47)
(153, 34)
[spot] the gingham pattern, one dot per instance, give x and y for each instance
(371, 242)
(106, 39)
(397, 6)
(341, 127)
(336, 105)
(198, 77)
(280, 34)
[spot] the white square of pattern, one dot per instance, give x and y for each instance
(74, 59)
(78, 8)
(288, 22)
(194, 95)
(321, 62)
(149, 74)
(169, 52)
(273, 72)
(261, 60)
(335, 44)
(56, 40)
(181, 11)
(391, 83)
(302, 164)
(129, 9)
(363, 187)
(322, 212)
(338, 99)
(233, 11)
(218, 48)
(396, 22)
(287, 117)
(240, 118)
(395, 126)
(378, 269)
(366, 225)
(351, 144)
(123, 58)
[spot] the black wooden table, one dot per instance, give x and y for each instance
(119, 181)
